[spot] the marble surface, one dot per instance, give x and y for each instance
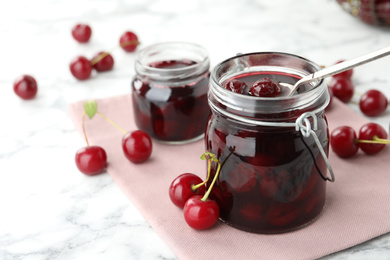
(51, 211)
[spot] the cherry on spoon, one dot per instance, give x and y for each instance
(340, 67)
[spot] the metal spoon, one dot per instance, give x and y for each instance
(340, 67)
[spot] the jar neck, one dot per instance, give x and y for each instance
(258, 110)
(196, 55)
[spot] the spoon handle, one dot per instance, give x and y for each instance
(342, 66)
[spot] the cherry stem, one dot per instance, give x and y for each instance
(205, 197)
(111, 122)
(106, 53)
(375, 140)
(195, 187)
(83, 124)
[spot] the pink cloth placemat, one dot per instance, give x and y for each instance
(356, 209)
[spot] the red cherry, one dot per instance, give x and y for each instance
(200, 214)
(25, 87)
(373, 103)
(343, 89)
(265, 87)
(236, 86)
(345, 74)
(102, 61)
(181, 188)
(91, 160)
(343, 141)
(81, 68)
(128, 41)
(81, 33)
(372, 131)
(137, 146)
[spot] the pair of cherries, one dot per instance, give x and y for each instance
(264, 87)
(188, 191)
(372, 103)
(92, 160)
(81, 67)
(371, 140)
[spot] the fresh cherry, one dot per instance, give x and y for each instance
(376, 135)
(199, 211)
(345, 74)
(373, 103)
(185, 186)
(137, 146)
(102, 61)
(91, 160)
(25, 87)
(128, 41)
(81, 68)
(265, 87)
(343, 141)
(81, 32)
(200, 214)
(343, 89)
(236, 86)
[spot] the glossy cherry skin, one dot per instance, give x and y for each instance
(343, 141)
(343, 89)
(137, 146)
(181, 190)
(105, 62)
(367, 132)
(81, 68)
(91, 160)
(128, 41)
(81, 33)
(236, 86)
(345, 74)
(200, 214)
(373, 103)
(25, 87)
(265, 87)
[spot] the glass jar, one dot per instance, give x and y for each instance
(273, 150)
(169, 91)
(373, 12)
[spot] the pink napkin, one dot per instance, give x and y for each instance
(356, 208)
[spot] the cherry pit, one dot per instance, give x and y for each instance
(92, 160)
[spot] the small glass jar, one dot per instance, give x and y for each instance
(273, 150)
(169, 91)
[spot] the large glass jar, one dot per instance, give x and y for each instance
(273, 150)
(169, 91)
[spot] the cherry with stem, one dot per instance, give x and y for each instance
(199, 211)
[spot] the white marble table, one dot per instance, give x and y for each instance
(51, 211)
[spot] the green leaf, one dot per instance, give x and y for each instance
(90, 108)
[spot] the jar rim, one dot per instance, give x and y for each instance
(247, 106)
(165, 51)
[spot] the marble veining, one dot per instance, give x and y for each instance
(51, 211)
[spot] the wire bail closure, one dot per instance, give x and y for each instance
(303, 125)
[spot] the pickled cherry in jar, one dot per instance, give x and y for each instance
(273, 178)
(169, 92)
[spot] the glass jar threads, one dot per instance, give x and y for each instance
(169, 91)
(273, 150)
